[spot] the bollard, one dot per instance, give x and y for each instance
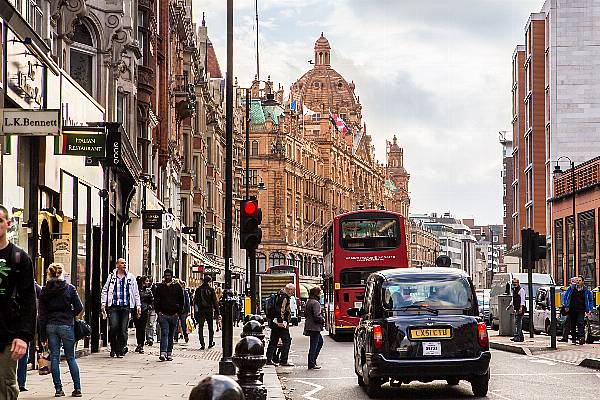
(253, 328)
(254, 317)
(217, 387)
(249, 359)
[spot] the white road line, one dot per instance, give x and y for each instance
(549, 374)
(308, 395)
(330, 379)
(499, 395)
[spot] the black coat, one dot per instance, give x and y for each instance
(59, 303)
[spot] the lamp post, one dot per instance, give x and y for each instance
(558, 171)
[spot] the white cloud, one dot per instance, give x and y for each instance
(434, 72)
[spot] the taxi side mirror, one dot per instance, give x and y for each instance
(355, 312)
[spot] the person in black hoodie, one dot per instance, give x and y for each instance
(17, 307)
(59, 304)
(168, 303)
(147, 299)
(206, 306)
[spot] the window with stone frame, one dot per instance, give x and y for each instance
(82, 58)
(143, 37)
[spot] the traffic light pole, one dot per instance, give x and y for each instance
(226, 366)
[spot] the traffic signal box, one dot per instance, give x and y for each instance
(250, 220)
(533, 246)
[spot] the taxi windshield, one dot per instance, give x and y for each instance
(430, 292)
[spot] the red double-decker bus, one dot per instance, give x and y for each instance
(355, 245)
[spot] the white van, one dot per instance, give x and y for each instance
(501, 285)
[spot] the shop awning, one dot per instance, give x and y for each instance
(304, 289)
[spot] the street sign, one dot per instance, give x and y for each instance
(31, 122)
(152, 219)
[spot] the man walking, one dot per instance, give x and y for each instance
(206, 307)
(120, 296)
(279, 322)
(168, 303)
(17, 308)
(563, 310)
(187, 309)
(580, 302)
(518, 302)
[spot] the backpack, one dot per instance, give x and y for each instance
(271, 307)
(203, 298)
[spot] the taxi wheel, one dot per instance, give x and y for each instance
(453, 381)
(479, 384)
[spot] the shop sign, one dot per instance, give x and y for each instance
(31, 122)
(114, 149)
(83, 144)
(198, 268)
(152, 219)
(62, 254)
(212, 270)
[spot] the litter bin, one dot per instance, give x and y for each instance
(506, 317)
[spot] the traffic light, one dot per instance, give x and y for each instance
(250, 220)
(534, 247)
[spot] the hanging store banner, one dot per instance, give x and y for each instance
(81, 141)
(31, 122)
(152, 219)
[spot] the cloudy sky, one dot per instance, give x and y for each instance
(436, 73)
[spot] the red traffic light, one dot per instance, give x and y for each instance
(250, 208)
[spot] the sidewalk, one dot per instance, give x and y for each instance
(587, 355)
(143, 376)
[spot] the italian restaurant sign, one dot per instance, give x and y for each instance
(31, 122)
(82, 141)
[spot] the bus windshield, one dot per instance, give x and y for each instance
(358, 234)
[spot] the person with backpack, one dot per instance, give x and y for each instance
(279, 315)
(17, 308)
(59, 305)
(206, 306)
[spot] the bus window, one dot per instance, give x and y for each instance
(356, 277)
(369, 234)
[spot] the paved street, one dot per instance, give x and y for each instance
(514, 377)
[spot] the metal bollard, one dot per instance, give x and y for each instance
(253, 328)
(254, 317)
(217, 387)
(249, 359)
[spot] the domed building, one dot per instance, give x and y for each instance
(310, 170)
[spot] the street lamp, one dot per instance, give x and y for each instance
(558, 171)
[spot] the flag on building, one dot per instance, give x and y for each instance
(339, 124)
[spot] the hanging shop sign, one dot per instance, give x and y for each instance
(212, 270)
(152, 219)
(198, 268)
(81, 143)
(31, 122)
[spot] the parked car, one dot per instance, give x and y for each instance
(501, 285)
(592, 324)
(541, 313)
(420, 324)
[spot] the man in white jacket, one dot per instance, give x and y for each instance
(120, 295)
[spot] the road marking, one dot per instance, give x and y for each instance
(550, 374)
(330, 379)
(499, 395)
(308, 395)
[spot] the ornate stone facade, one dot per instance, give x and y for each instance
(310, 171)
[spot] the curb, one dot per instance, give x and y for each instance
(593, 363)
(272, 383)
(511, 348)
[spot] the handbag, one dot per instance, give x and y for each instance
(82, 329)
(44, 362)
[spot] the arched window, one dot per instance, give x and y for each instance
(254, 148)
(276, 258)
(291, 259)
(299, 265)
(315, 267)
(82, 57)
(307, 265)
(261, 262)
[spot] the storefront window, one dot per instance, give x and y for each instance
(570, 247)
(587, 247)
(82, 235)
(559, 251)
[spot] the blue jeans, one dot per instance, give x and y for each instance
(118, 317)
(167, 323)
(519, 327)
(63, 335)
(22, 368)
(316, 342)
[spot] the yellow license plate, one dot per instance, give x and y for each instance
(425, 333)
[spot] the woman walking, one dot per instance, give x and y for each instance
(147, 300)
(313, 326)
(59, 303)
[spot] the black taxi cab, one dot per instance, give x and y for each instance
(420, 325)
